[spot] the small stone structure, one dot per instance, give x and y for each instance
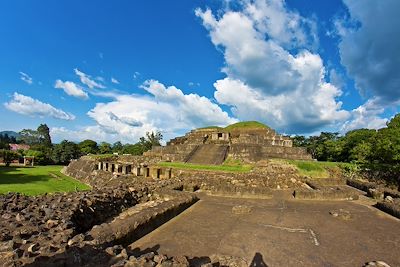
(213, 146)
(122, 168)
(29, 160)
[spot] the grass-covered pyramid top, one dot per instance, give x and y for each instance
(243, 125)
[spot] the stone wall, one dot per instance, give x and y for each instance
(255, 152)
(43, 226)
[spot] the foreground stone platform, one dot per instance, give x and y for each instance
(280, 231)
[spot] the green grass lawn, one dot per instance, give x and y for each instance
(244, 125)
(315, 169)
(239, 125)
(224, 167)
(37, 180)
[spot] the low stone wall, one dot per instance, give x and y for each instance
(320, 183)
(235, 191)
(390, 206)
(373, 190)
(134, 224)
(327, 193)
(361, 185)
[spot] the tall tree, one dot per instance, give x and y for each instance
(117, 147)
(64, 152)
(88, 147)
(44, 135)
(105, 148)
(154, 138)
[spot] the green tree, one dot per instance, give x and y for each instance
(64, 152)
(105, 148)
(299, 141)
(88, 147)
(136, 149)
(154, 138)
(151, 139)
(354, 138)
(117, 147)
(361, 153)
(43, 133)
(8, 156)
(386, 146)
(395, 122)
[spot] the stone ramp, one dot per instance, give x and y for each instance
(209, 154)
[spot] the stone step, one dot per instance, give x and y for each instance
(209, 154)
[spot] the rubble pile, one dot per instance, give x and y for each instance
(45, 225)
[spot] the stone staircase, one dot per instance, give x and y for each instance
(209, 154)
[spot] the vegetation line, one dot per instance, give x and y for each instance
(227, 168)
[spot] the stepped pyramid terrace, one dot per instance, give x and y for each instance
(245, 141)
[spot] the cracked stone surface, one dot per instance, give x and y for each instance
(280, 232)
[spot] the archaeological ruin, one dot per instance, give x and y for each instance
(213, 145)
(148, 211)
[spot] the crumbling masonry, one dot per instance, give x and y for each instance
(214, 145)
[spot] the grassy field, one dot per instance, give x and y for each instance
(315, 169)
(37, 180)
(224, 167)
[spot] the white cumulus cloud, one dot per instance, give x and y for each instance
(72, 89)
(266, 80)
(366, 116)
(166, 109)
(27, 105)
(87, 80)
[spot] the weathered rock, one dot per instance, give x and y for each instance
(376, 264)
(78, 239)
(241, 209)
(341, 213)
(51, 223)
(375, 193)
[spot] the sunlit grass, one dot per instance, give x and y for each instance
(315, 169)
(37, 180)
(224, 167)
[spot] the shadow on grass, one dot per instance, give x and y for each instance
(8, 176)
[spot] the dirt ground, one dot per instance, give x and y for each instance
(280, 231)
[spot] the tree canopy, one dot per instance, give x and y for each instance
(361, 145)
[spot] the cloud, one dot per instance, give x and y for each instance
(272, 74)
(26, 78)
(88, 132)
(136, 75)
(365, 116)
(72, 89)
(191, 84)
(86, 80)
(167, 109)
(26, 105)
(113, 80)
(370, 50)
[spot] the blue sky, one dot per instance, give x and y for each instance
(111, 71)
